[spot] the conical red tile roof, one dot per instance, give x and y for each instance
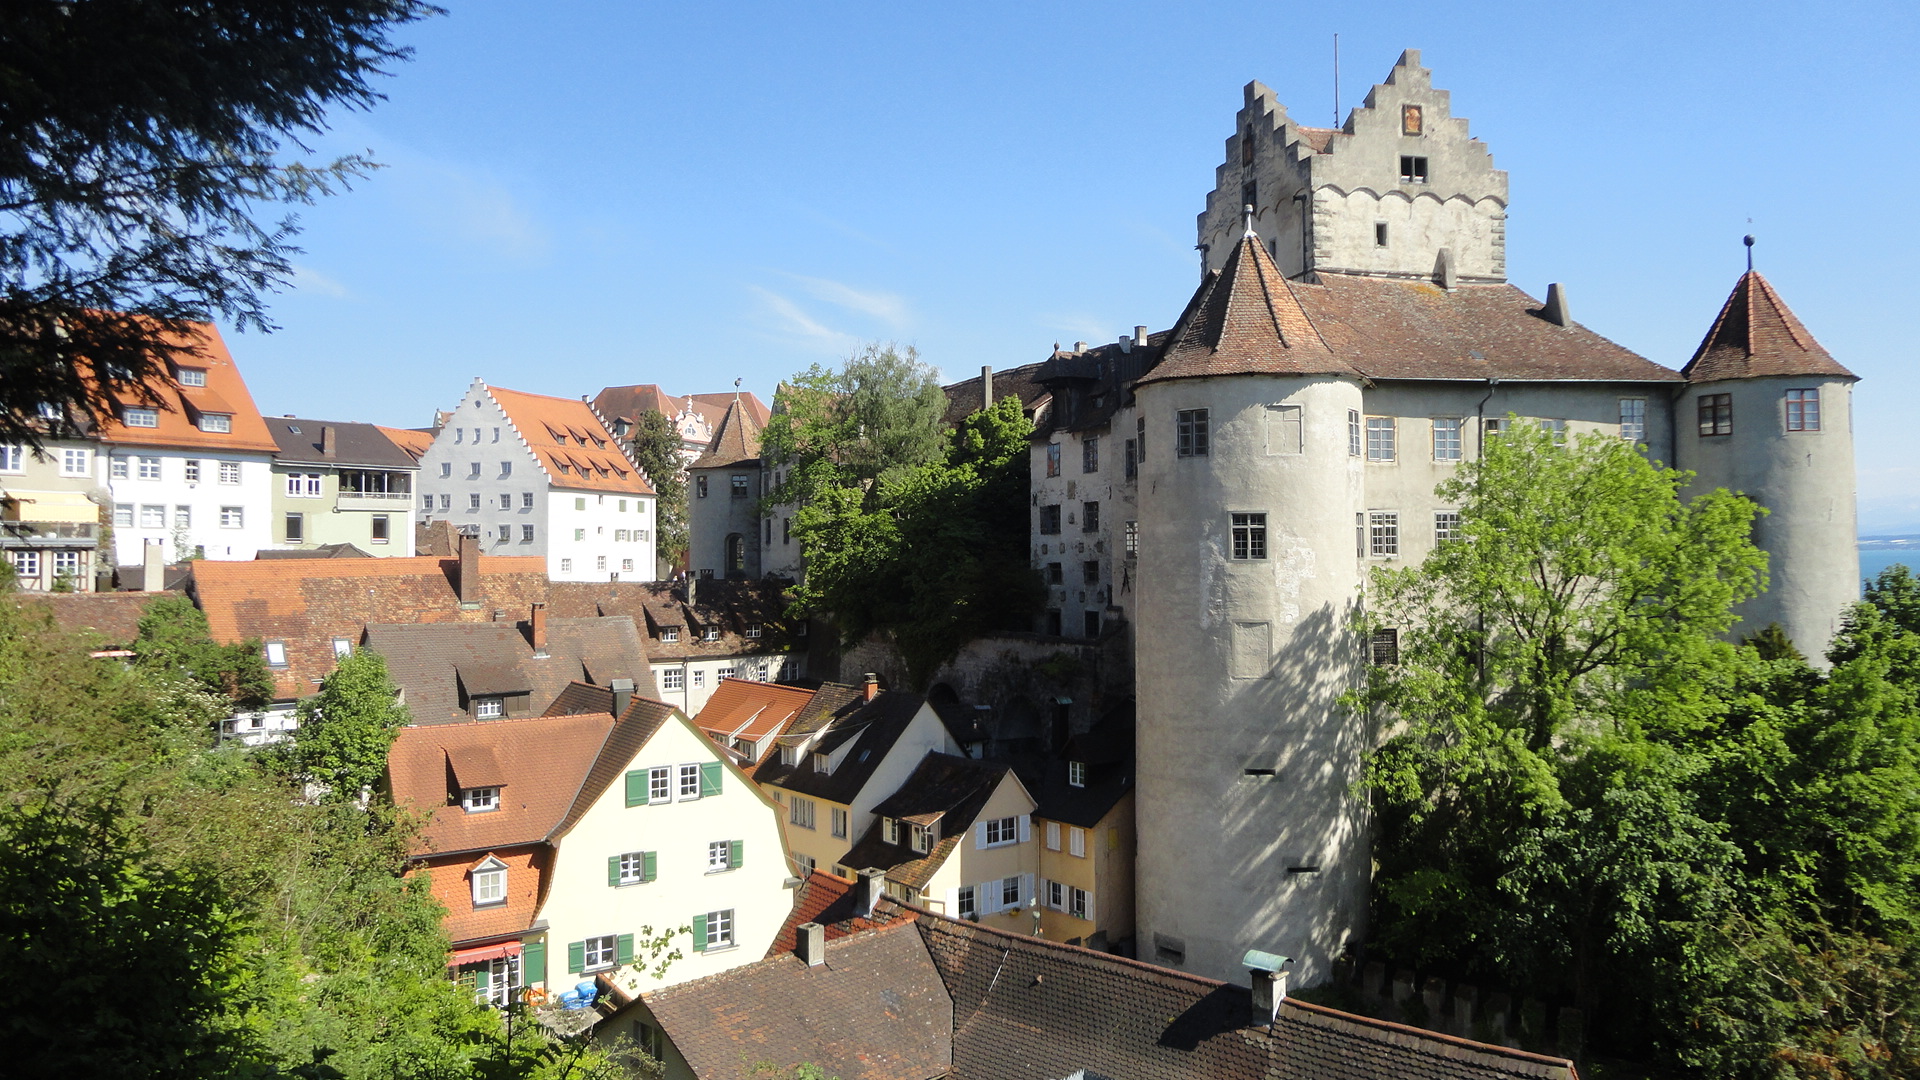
(737, 441)
(1245, 320)
(1756, 336)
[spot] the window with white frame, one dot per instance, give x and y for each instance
(276, 654)
(890, 830)
(144, 418)
(479, 800)
(147, 467)
(26, 563)
(1053, 836)
(753, 630)
(1076, 774)
(720, 855)
(1077, 842)
(839, 822)
(1556, 430)
(1191, 433)
(803, 863)
(76, 461)
(489, 708)
(1633, 419)
(189, 376)
(1079, 903)
(1249, 536)
(699, 678)
(1446, 438)
(183, 516)
(965, 905)
(229, 472)
(192, 466)
(1353, 433)
(153, 517)
(710, 633)
(1004, 830)
(690, 781)
(601, 952)
(342, 648)
(66, 564)
(490, 882)
(800, 813)
(123, 515)
(630, 869)
(789, 755)
(217, 423)
(1380, 438)
(1010, 892)
(921, 838)
(673, 679)
(1446, 526)
(1057, 895)
(660, 784)
(117, 468)
(13, 458)
(719, 929)
(566, 566)
(1383, 534)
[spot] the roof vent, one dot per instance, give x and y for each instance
(1556, 310)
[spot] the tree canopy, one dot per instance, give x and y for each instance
(347, 728)
(138, 144)
(173, 634)
(852, 427)
(656, 449)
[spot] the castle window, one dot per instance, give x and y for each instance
(1090, 572)
(1379, 234)
(1055, 576)
(1053, 459)
(1353, 433)
(1090, 456)
(1133, 460)
(1413, 169)
(1249, 536)
(1050, 520)
(739, 485)
(699, 487)
(1446, 526)
(1633, 419)
(1133, 539)
(1384, 648)
(1284, 429)
(1803, 410)
(1246, 147)
(1140, 437)
(1190, 433)
(1383, 534)
(1716, 414)
(1446, 438)
(1379, 438)
(1090, 517)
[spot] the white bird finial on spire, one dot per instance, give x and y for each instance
(1248, 211)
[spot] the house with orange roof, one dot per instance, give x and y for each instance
(745, 717)
(537, 476)
(187, 460)
(696, 417)
(560, 845)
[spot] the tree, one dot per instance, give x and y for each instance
(876, 416)
(656, 449)
(137, 142)
(173, 635)
(1896, 594)
(348, 727)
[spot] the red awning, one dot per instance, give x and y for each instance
(484, 953)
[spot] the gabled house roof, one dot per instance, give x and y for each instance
(440, 666)
(180, 407)
(742, 709)
(1755, 336)
(627, 403)
(871, 727)
(114, 616)
(413, 442)
(1105, 753)
(539, 764)
(875, 1010)
(732, 607)
(834, 903)
(737, 442)
(574, 447)
(304, 442)
(946, 791)
(966, 397)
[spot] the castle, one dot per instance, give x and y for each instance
(1220, 490)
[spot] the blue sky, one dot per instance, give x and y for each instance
(580, 194)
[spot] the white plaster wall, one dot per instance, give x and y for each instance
(712, 519)
(580, 904)
(699, 678)
(586, 527)
(253, 494)
(1201, 817)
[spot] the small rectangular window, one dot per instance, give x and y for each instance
(219, 423)
(382, 529)
(78, 461)
(276, 654)
(1050, 520)
(1133, 540)
(1413, 169)
(1446, 438)
(1379, 234)
(193, 376)
(1000, 831)
(719, 929)
(488, 708)
(123, 515)
(965, 906)
(1249, 536)
(1090, 455)
(600, 952)
(1353, 433)
(153, 517)
(1090, 572)
(690, 781)
(506, 501)
(473, 500)
(1053, 459)
(144, 418)
(839, 817)
(296, 528)
(1633, 419)
(1090, 517)
(1380, 438)
(233, 517)
(673, 679)
(920, 838)
(1446, 526)
(1556, 430)
(479, 800)
(1076, 774)
(1190, 433)
(739, 485)
(1384, 648)
(1055, 575)
(1132, 459)
(149, 468)
(1383, 534)
(1803, 410)
(1716, 414)
(192, 470)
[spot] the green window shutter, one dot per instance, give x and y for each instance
(613, 869)
(576, 956)
(649, 865)
(699, 933)
(733, 853)
(533, 963)
(623, 949)
(637, 788)
(709, 778)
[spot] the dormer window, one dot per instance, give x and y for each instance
(709, 633)
(488, 708)
(1077, 773)
(218, 423)
(276, 654)
(890, 830)
(822, 763)
(148, 418)
(192, 376)
(489, 882)
(479, 800)
(789, 755)
(753, 630)
(669, 634)
(922, 838)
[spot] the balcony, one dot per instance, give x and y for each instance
(388, 501)
(42, 534)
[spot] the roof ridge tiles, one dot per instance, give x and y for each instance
(1328, 1014)
(1058, 946)
(747, 969)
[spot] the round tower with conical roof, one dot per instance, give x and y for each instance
(1249, 833)
(1768, 412)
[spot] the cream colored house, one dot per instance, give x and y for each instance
(848, 749)
(958, 837)
(666, 834)
(1085, 829)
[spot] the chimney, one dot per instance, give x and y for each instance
(1556, 309)
(872, 688)
(467, 583)
(810, 944)
(1126, 344)
(1444, 271)
(327, 440)
(691, 578)
(622, 696)
(537, 626)
(873, 886)
(1269, 985)
(153, 566)
(986, 386)
(1139, 337)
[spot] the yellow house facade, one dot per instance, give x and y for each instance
(1086, 877)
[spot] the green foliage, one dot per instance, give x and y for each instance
(347, 728)
(854, 428)
(656, 449)
(1896, 595)
(173, 636)
(932, 555)
(1587, 794)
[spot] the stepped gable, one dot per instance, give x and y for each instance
(737, 442)
(1757, 336)
(1398, 329)
(1245, 320)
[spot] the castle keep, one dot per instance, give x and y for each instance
(1221, 489)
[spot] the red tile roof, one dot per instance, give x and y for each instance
(180, 407)
(710, 405)
(743, 709)
(1755, 336)
(114, 616)
(449, 877)
(735, 442)
(575, 448)
(415, 443)
(832, 902)
(1246, 320)
(539, 763)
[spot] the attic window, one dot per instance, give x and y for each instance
(753, 630)
(193, 376)
(669, 634)
(276, 654)
(489, 882)
(709, 633)
(488, 708)
(822, 763)
(219, 423)
(148, 418)
(1413, 169)
(479, 800)
(789, 755)
(890, 830)
(1077, 773)
(922, 839)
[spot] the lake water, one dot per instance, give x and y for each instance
(1872, 562)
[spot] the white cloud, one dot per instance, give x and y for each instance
(791, 321)
(885, 306)
(1077, 325)
(307, 279)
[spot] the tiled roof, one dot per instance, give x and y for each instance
(943, 788)
(450, 879)
(743, 709)
(354, 444)
(713, 405)
(324, 551)
(830, 702)
(1246, 320)
(580, 697)
(630, 402)
(873, 727)
(574, 447)
(638, 724)
(1318, 138)
(735, 442)
(834, 903)
(308, 602)
(964, 397)
(875, 1010)
(1106, 751)
(1025, 1008)
(435, 662)
(180, 407)
(545, 759)
(732, 606)
(1755, 336)
(415, 443)
(114, 616)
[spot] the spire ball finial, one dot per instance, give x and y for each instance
(1748, 240)
(1248, 211)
